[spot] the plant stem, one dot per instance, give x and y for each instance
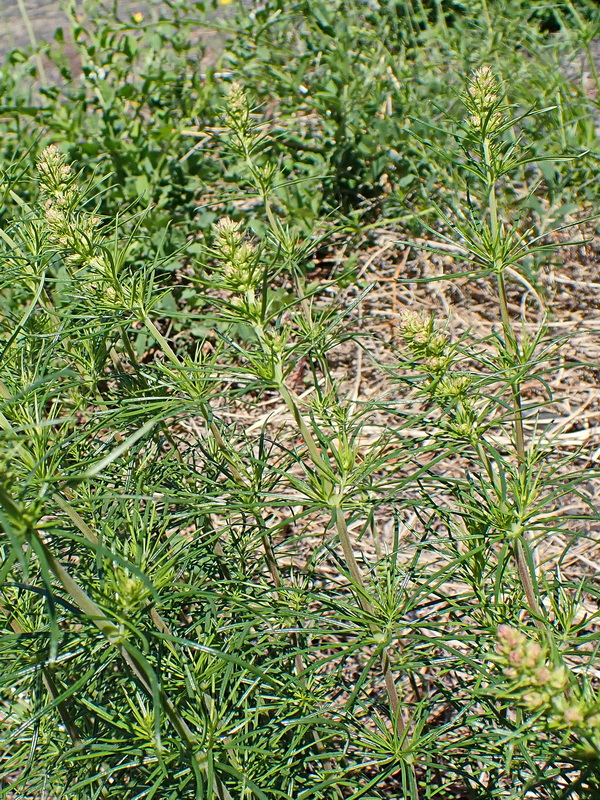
(527, 578)
(135, 363)
(513, 349)
(243, 483)
(34, 43)
(221, 444)
(356, 575)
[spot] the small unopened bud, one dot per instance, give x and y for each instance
(466, 430)
(542, 675)
(534, 700)
(436, 364)
(573, 714)
(131, 592)
(227, 227)
(559, 679)
(594, 721)
(453, 386)
(509, 638)
(438, 342)
(532, 653)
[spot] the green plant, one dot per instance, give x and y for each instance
(226, 571)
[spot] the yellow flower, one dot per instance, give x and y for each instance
(137, 17)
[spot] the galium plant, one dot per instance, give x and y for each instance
(496, 246)
(225, 574)
(512, 496)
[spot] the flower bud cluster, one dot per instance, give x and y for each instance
(56, 176)
(483, 102)
(453, 386)
(450, 389)
(73, 232)
(454, 392)
(543, 688)
(525, 663)
(239, 257)
(128, 593)
(238, 110)
(425, 342)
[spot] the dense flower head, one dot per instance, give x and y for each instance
(519, 652)
(453, 386)
(68, 227)
(130, 591)
(425, 341)
(238, 110)
(54, 171)
(228, 234)
(483, 87)
(544, 688)
(483, 102)
(238, 257)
